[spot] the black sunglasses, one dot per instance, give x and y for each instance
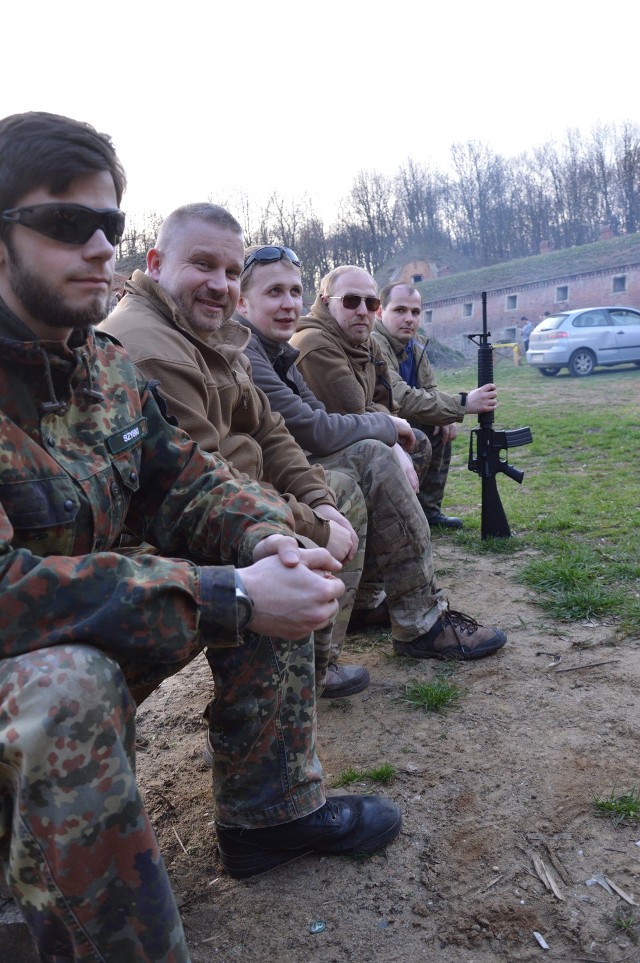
(69, 223)
(267, 255)
(352, 301)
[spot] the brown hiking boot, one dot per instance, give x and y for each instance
(344, 680)
(454, 636)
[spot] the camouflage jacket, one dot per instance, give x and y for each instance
(86, 455)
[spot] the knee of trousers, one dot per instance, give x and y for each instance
(51, 691)
(422, 454)
(349, 499)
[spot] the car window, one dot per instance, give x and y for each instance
(591, 319)
(551, 323)
(620, 316)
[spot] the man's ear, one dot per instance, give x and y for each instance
(154, 258)
(241, 306)
(379, 313)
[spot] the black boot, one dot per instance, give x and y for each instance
(345, 825)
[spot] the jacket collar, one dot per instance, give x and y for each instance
(400, 348)
(230, 333)
(320, 319)
(280, 351)
(56, 361)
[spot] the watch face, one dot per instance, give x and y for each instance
(244, 605)
(245, 609)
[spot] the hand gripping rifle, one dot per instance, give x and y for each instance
(486, 444)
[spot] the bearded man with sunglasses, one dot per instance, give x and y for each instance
(398, 551)
(85, 454)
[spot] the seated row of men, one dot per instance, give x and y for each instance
(268, 408)
(249, 539)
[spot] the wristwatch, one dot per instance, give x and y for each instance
(244, 605)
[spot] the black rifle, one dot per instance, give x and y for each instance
(486, 444)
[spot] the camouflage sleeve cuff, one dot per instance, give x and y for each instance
(218, 626)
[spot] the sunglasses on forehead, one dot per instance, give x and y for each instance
(267, 255)
(352, 301)
(68, 223)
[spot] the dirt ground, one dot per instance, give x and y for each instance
(496, 793)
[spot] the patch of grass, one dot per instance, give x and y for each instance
(578, 504)
(383, 774)
(366, 640)
(433, 696)
(619, 808)
(627, 923)
(574, 583)
(341, 705)
(630, 620)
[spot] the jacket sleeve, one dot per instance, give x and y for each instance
(425, 405)
(186, 392)
(315, 429)
(287, 468)
(190, 506)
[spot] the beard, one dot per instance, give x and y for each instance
(46, 305)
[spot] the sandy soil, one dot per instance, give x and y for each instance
(496, 794)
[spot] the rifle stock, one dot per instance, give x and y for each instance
(486, 444)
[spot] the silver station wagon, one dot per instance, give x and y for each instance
(580, 340)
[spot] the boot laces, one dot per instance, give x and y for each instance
(460, 623)
(330, 807)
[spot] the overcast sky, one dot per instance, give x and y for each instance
(208, 100)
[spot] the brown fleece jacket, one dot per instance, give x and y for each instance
(207, 386)
(347, 378)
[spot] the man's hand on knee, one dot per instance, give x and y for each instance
(406, 437)
(293, 589)
(407, 467)
(343, 541)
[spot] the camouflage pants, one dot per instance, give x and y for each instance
(434, 480)
(398, 550)
(262, 732)
(350, 502)
(82, 858)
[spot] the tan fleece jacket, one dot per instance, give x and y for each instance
(207, 386)
(347, 378)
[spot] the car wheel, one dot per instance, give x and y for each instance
(549, 372)
(581, 363)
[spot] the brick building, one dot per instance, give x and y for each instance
(605, 272)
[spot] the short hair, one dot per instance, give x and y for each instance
(38, 149)
(328, 282)
(204, 211)
(385, 293)
(245, 279)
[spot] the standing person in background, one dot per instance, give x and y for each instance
(526, 331)
(416, 393)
